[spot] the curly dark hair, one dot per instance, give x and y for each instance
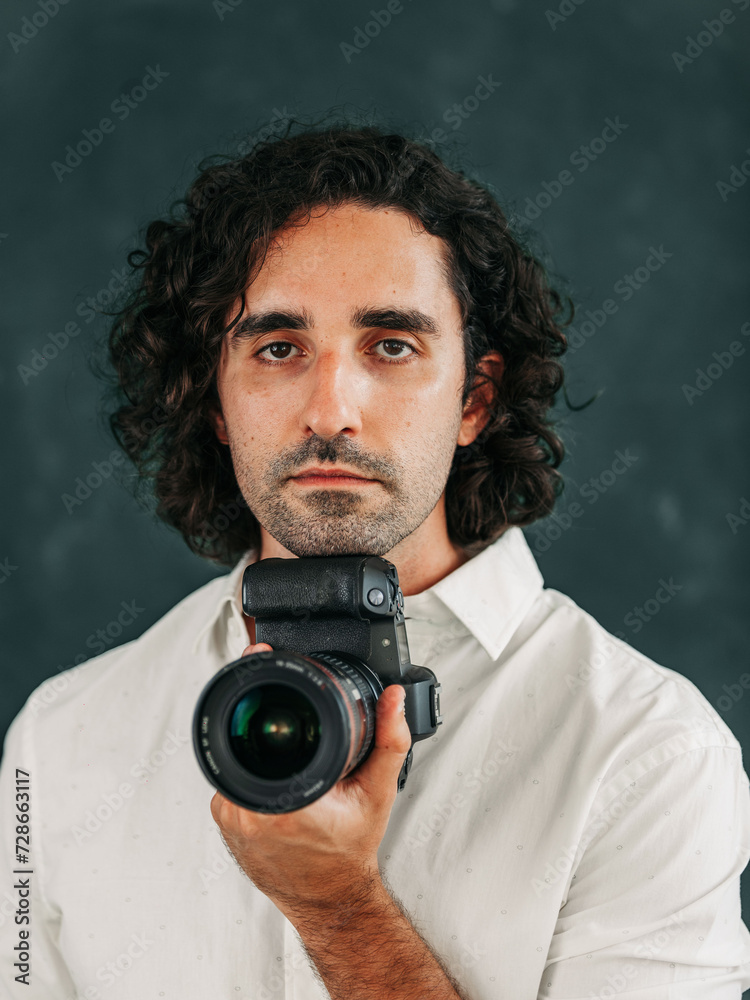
(165, 341)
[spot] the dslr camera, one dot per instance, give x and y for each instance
(275, 730)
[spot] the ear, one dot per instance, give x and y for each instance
(479, 404)
(216, 419)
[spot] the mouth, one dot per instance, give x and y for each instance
(332, 481)
(330, 477)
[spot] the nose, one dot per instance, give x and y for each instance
(333, 395)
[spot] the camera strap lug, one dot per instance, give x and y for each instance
(405, 768)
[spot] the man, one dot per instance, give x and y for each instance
(346, 330)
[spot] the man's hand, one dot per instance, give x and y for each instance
(319, 865)
(326, 852)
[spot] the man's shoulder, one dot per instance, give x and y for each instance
(140, 659)
(618, 692)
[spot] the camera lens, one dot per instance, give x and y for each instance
(274, 731)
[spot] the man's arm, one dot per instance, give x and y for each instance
(365, 947)
(653, 906)
(319, 866)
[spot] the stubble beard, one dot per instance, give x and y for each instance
(369, 520)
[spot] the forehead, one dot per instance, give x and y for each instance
(358, 252)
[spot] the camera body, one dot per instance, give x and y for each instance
(275, 730)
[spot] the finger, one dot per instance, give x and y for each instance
(219, 807)
(392, 742)
(392, 732)
(257, 647)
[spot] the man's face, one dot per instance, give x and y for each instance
(352, 358)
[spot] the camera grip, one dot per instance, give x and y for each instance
(422, 702)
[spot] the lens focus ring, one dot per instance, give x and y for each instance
(366, 690)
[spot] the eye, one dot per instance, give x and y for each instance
(279, 351)
(397, 345)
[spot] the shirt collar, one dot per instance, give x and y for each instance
(229, 601)
(490, 594)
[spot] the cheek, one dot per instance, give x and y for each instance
(431, 404)
(427, 439)
(253, 411)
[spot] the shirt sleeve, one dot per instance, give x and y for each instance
(48, 977)
(653, 904)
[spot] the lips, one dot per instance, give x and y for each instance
(329, 474)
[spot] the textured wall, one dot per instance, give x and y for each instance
(619, 133)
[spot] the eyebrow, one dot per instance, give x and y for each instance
(405, 320)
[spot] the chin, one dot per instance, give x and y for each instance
(351, 548)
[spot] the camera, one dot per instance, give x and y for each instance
(275, 730)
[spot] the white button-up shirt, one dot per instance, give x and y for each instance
(575, 829)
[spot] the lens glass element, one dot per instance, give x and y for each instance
(274, 731)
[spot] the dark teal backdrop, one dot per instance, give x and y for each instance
(619, 133)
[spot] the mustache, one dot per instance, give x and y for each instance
(336, 451)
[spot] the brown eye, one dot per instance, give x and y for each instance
(393, 347)
(279, 350)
